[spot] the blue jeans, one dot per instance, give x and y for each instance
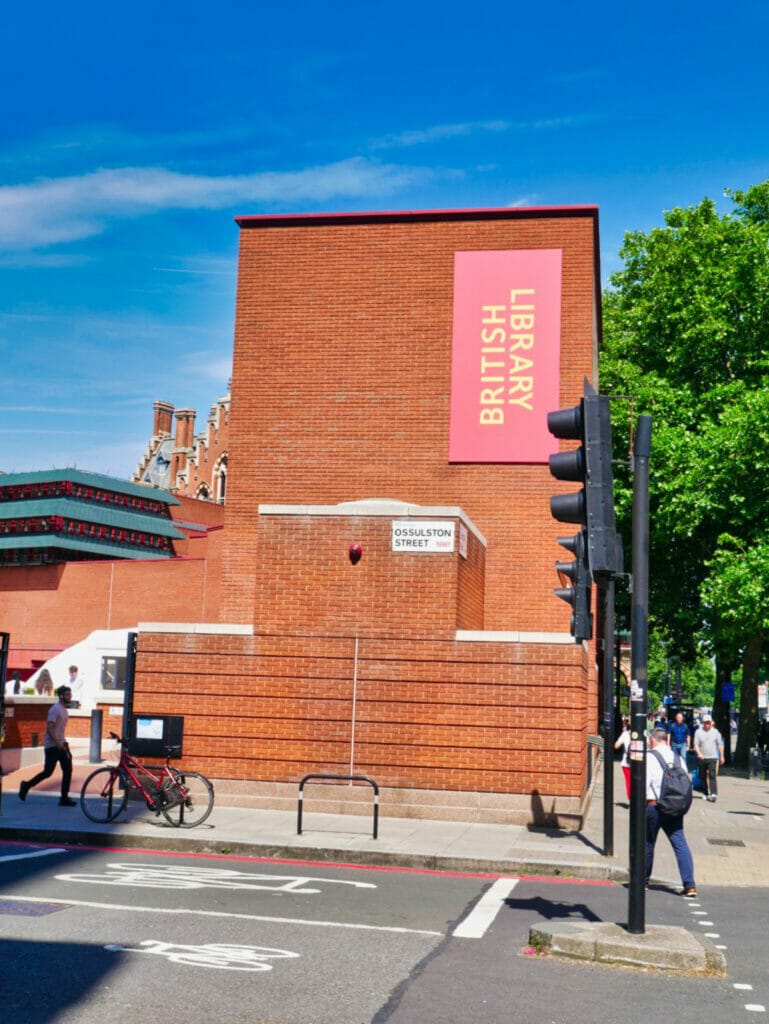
(674, 830)
(679, 748)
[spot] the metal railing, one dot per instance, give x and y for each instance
(337, 778)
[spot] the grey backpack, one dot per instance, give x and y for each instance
(675, 795)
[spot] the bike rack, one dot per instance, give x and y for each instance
(338, 778)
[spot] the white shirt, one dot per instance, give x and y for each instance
(654, 769)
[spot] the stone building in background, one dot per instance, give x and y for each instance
(182, 461)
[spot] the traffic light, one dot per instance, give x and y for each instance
(578, 594)
(590, 465)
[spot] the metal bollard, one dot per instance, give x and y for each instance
(94, 752)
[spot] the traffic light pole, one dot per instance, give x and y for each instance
(639, 676)
(607, 664)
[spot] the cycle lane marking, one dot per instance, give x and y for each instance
(184, 911)
(218, 955)
(171, 876)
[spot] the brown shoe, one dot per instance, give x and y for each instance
(689, 893)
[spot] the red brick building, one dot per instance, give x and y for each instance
(183, 460)
(447, 675)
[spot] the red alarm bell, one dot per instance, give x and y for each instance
(355, 553)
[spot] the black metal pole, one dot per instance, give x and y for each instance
(639, 676)
(618, 684)
(128, 689)
(607, 593)
(5, 640)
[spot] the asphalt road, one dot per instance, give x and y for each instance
(123, 936)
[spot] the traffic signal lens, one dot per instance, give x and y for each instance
(568, 508)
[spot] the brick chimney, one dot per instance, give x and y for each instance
(185, 428)
(161, 424)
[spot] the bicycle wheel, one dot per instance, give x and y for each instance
(189, 804)
(101, 797)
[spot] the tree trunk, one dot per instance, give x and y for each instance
(721, 710)
(746, 737)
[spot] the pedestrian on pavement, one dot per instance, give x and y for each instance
(678, 731)
(623, 741)
(709, 747)
(673, 827)
(56, 749)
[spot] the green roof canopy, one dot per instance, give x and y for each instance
(95, 480)
(89, 512)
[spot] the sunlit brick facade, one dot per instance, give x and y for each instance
(447, 673)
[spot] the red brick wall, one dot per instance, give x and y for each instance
(306, 581)
(489, 717)
(26, 721)
(342, 370)
(55, 606)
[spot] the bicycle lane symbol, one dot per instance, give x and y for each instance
(151, 876)
(217, 955)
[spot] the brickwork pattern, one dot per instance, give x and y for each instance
(486, 717)
(56, 606)
(306, 580)
(342, 370)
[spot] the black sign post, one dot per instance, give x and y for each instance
(639, 676)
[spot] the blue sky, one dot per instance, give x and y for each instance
(133, 135)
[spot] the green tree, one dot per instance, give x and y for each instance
(686, 327)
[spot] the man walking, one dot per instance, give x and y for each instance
(678, 731)
(709, 747)
(672, 826)
(56, 749)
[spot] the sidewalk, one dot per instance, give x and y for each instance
(729, 839)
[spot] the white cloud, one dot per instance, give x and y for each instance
(439, 132)
(52, 211)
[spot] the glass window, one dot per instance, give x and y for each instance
(113, 673)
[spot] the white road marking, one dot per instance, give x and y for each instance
(755, 1007)
(743, 987)
(700, 913)
(481, 917)
(183, 911)
(26, 856)
(705, 924)
(722, 947)
(172, 876)
(712, 935)
(221, 956)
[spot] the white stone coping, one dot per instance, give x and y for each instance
(383, 507)
(216, 628)
(504, 636)
(110, 697)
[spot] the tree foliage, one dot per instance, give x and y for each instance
(686, 338)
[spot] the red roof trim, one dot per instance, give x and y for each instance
(270, 220)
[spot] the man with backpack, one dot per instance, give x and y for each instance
(668, 798)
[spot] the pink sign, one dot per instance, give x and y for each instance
(506, 355)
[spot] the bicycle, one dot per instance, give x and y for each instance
(185, 799)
